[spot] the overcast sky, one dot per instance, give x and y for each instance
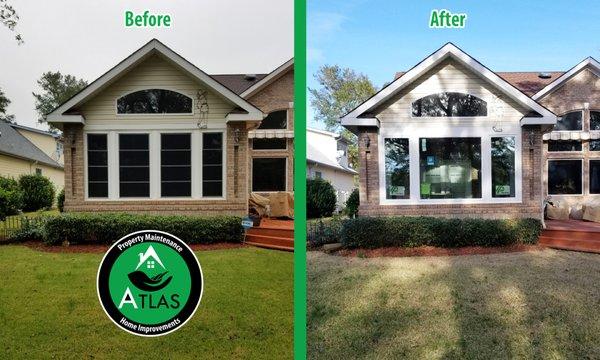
(87, 38)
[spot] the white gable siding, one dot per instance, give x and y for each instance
(450, 76)
(154, 72)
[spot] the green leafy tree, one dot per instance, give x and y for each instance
(57, 88)
(4, 102)
(340, 91)
(10, 18)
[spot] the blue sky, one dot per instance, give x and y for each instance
(378, 38)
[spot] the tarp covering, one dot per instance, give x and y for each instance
(277, 204)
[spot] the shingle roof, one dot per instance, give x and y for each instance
(317, 156)
(237, 83)
(12, 143)
(528, 82)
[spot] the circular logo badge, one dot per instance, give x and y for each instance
(150, 283)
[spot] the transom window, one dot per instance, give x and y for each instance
(450, 168)
(269, 144)
(594, 120)
(449, 104)
(154, 101)
(572, 121)
(275, 120)
(564, 145)
(564, 177)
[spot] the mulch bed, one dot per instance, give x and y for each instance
(103, 248)
(435, 251)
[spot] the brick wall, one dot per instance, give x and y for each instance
(531, 196)
(236, 191)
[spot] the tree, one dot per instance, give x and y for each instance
(10, 18)
(341, 90)
(4, 102)
(57, 88)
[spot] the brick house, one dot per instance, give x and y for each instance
(155, 134)
(451, 138)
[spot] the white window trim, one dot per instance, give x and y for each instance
(150, 114)
(285, 174)
(155, 167)
(415, 131)
(548, 179)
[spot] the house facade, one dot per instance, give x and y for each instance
(28, 151)
(327, 158)
(155, 134)
(451, 138)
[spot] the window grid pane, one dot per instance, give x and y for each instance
(97, 167)
(212, 164)
(176, 165)
(134, 165)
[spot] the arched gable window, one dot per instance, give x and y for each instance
(275, 120)
(154, 101)
(447, 104)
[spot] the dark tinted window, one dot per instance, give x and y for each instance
(594, 176)
(570, 121)
(594, 120)
(449, 104)
(134, 165)
(154, 101)
(97, 165)
(564, 145)
(268, 174)
(175, 165)
(564, 177)
(268, 144)
(212, 164)
(275, 120)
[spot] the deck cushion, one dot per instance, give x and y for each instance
(557, 212)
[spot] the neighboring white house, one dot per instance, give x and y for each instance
(327, 158)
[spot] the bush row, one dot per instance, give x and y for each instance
(29, 193)
(82, 228)
(373, 232)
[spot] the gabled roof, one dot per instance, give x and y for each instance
(238, 82)
(12, 143)
(316, 155)
(60, 114)
(270, 78)
(528, 82)
(588, 62)
(37, 131)
(361, 116)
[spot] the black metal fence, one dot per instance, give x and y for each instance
(12, 224)
(323, 231)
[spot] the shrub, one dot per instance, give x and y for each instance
(324, 231)
(106, 228)
(32, 229)
(371, 232)
(352, 203)
(60, 200)
(320, 198)
(11, 198)
(38, 192)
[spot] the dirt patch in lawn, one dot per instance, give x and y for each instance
(103, 248)
(435, 251)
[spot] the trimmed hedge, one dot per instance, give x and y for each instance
(106, 228)
(11, 198)
(320, 198)
(374, 232)
(38, 192)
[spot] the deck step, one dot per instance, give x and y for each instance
(273, 242)
(569, 243)
(268, 231)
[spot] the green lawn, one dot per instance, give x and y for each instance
(534, 305)
(49, 309)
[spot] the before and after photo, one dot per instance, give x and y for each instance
(299, 179)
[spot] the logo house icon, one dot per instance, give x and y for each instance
(146, 258)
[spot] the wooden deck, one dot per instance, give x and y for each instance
(576, 235)
(272, 234)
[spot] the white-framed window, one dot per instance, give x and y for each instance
(449, 104)
(565, 177)
(269, 174)
(154, 101)
(155, 164)
(424, 164)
